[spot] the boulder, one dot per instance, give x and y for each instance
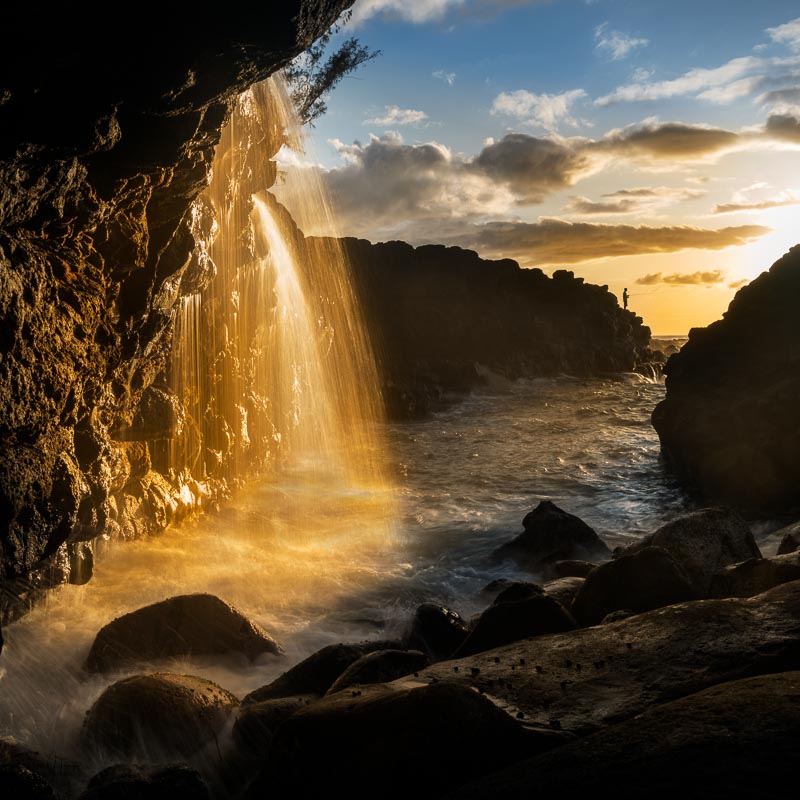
(703, 543)
(645, 579)
(756, 575)
(391, 742)
(156, 716)
(436, 631)
(185, 625)
(511, 621)
(131, 781)
(380, 667)
(518, 590)
(256, 723)
(564, 589)
(790, 540)
(567, 568)
(738, 739)
(66, 777)
(20, 783)
(315, 675)
(550, 535)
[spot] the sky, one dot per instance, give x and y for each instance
(647, 144)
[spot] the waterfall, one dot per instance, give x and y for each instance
(270, 359)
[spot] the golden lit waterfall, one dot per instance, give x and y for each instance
(270, 359)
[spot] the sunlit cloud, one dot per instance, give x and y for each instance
(631, 201)
(547, 111)
(447, 77)
(738, 284)
(394, 116)
(785, 127)
(751, 199)
(708, 279)
(655, 139)
(615, 43)
(555, 241)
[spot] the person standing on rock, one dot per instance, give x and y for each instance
(625, 297)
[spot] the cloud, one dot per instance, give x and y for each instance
(423, 11)
(398, 116)
(448, 77)
(555, 241)
(785, 127)
(787, 34)
(692, 82)
(683, 279)
(654, 139)
(531, 167)
(614, 43)
(785, 98)
(544, 110)
(630, 201)
(747, 200)
(738, 284)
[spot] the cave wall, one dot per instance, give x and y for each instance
(107, 132)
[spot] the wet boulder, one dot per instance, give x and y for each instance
(567, 568)
(391, 742)
(790, 539)
(316, 674)
(703, 543)
(256, 723)
(648, 578)
(506, 622)
(756, 575)
(564, 589)
(518, 590)
(550, 535)
(436, 631)
(156, 716)
(186, 625)
(63, 776)
(380, 667)
(163, 782)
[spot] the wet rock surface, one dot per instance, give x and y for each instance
(158, 716)
(436, 631)
(185, 625)
(380, 667)
(130, 781)
(551, 535)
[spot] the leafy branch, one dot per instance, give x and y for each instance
(312, 76)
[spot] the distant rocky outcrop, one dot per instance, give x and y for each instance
(438, 315)
(730, 423)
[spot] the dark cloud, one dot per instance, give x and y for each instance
(583, 205)
(531, 167)
(784, 127)
(782, 97)
(555, 241)
(739, 284)
(683, 279)
(669, 140)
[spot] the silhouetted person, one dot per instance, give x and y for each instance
(625, 297)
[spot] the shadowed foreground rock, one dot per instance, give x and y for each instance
(436, 630)
(156, 716)
(132, 781)
(551, 535)
(391, 743)
(190, 624)
(734, 740)
(380, 667)
(591, 677)
(316, 674)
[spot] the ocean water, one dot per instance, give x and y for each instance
(317, 562)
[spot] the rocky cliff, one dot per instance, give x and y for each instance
(107, 131)
(730, 423)
(437, 312)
